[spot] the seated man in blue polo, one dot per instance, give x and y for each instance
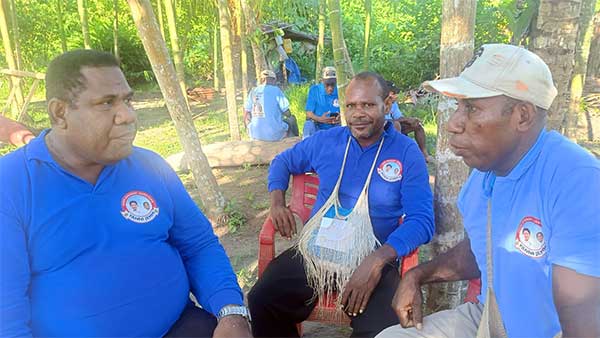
(322, 106)
(266, 112)
(100, 238)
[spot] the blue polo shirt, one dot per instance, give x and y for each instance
(114, 259)
(399, 184)
(267, 103)
(544, 212)
(395, 112)
(319, 102)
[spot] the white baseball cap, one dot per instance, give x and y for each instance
(329, 73)
(267, 73)
(500, 69)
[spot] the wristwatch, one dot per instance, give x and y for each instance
(229, 310)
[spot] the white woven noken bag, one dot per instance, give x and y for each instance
(328, 269)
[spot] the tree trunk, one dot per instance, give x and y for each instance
(367, 34)
(16, 40)
(177, 54)
(82, 8)
(456, 48)
(225, 25)
(554, 39)
(10, 58)
(116, 29)
(584, 37)
(592, 77)
(212, 198)
(61, 28)
(321, 41)
(161, 22)
(254, 34)
(234, 16)
(341, 58)
(216, 84)
(244, 54)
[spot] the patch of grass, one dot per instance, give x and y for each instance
(235, 217)
(297, 95)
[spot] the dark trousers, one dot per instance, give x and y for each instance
(193, 322)
(281, 299)
(292, 126)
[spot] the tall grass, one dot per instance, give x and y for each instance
(297, 95)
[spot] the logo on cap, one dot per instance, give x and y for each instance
(477, 54)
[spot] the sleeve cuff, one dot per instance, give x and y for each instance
(224, 297)
(402, 249)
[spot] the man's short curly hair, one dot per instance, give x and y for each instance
(63, 76)
(383, 87)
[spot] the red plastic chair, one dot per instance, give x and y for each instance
(304, 195)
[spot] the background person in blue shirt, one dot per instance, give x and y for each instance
(322, 106)
(78, 256)
(535, 180)
(281, 297)
(266, 112)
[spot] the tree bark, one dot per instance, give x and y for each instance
(244, 54)
(177, 54)
(456, 48)
(82, 8)
(212, 198)
(554, 39)
(367, 34)
(254, 34)
(216, 84)
(592, 77)
(116, 29)
(10, 58)
(61, 28)
(341, 58)
(16, 39)
(321, 40)
(225, 28)
(584, 37)
(161, 22)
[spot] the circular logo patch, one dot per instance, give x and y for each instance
(530, 238)
(138, 206)
(390, 170)
(335, 103)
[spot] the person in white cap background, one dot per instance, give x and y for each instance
(322, 106)
(266, 112)
(523, 177)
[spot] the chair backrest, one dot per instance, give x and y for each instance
(304, 194)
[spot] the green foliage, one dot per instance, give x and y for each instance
(235, 217)
(297, 95)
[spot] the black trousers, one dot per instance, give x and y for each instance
(281, 299)
(193, 322)
(292, 126)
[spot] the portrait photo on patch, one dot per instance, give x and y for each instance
(390, 170)
(138, 206)
(530, 239)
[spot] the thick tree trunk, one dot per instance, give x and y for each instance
(212, 198)
(584, 37)
(592, 77)
(244, 54)
(554, 39)
(10, 58)
(367, 34)
(254, 34)
(177, 53)
(321, 40)
(82, 8)
(61, 28)
(225, 28)
(236, 41)
(456, 48)
(341, 58)
(116, 29)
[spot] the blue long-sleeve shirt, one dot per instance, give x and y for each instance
(114, 259)
(399, 184)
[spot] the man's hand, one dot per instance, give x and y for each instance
(408, 301)
(364, 280)
(232, 326)
(281, 215)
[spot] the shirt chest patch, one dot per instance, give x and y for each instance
(530, 239)
(138, 206)
(390, 170)
(335, 103)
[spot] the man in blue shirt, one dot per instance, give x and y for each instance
(266, 112)
(322, 106)
(525, 181)
(399, 188)
(79, 255)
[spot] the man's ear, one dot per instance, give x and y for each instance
(57, 109)
(526, 114)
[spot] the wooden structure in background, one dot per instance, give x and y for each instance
(17, 76)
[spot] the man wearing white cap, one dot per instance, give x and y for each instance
(322, 106)
(523, 177)
(266, 111)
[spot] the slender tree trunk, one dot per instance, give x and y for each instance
(216, 47)
(341, 58)
(254, 34)
(367, 34)
(177, 54)
(159, 7)
(226, 46)
(234, 17)
(116, 29)
(321, 40)
(244, 54)
(16, 40)
(554, 39)
(584, 37)
(61, 28)
(10, 58)
(212, 198)
(456, 48)
(82, 8)
(592, 77)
